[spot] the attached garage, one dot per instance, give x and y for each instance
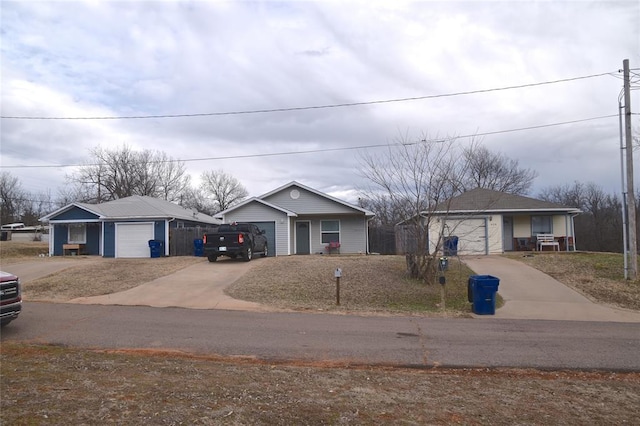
(471, 233)
(270, 233)
(132, 239)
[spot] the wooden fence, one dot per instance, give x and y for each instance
(382, 240)
(181, 240)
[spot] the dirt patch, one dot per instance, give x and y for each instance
(55, 385)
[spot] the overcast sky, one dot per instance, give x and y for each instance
(135, 58)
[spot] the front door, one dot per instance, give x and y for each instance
(303, 245)
(507, 233)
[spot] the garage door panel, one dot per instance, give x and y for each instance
(132, 239)
(471, 235)
(270, 233)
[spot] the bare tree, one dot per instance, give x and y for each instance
(18, 205)
(12, 197)
(172, 180)
(223, 190)
(388, 212)
(489, 170)
(122, 172)
(195, 199)
(37, 205)
(599, 228)
(414, 177)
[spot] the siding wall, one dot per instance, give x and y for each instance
(560, 225)
(494, 233)
(353, 233)
(75, 213)
(61, 233)
(256, 212)
(109, 243)
(521, 226)
(307, 203)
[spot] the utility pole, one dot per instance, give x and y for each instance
(631, 200)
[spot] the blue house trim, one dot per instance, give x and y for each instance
(101, 221)
(76, 213)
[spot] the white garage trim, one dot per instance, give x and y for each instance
(132, 239)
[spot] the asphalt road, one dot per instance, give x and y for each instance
(405, 341)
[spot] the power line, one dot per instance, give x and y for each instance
(306, 108)
(322, 150)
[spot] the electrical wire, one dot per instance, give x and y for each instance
(306, 108)
(315, 151)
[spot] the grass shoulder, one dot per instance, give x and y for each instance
(599, 276)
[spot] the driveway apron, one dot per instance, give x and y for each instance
(200, 286)
(531, 294)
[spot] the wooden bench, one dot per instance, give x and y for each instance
(333, 245)
(543, 240)
(72, 248)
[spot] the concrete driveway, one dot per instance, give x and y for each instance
(531, 294)
(200, 286)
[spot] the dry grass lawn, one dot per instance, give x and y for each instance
(368, 283)
(55, 385)
(102, 276)
(16, 250)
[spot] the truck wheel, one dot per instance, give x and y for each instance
(265, 253)
(212, 258)
(248, 255)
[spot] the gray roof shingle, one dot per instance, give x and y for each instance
(142, 207)
(481, 199)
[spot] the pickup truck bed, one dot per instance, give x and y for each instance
(235, 240)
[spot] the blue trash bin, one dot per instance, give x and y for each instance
(198, 248)
(450, 246)
(155, 247)
(483, 289)
(470, 284)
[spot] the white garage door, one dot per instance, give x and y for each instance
(132, 239)
(471, 233)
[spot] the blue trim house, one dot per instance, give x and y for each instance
(119, 228)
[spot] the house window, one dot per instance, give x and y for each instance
(330, 230)
(77, 234)
(541, 225)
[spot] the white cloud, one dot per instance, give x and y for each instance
(146, 58)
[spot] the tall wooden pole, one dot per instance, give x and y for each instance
(631, 199)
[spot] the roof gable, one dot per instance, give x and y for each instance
(486, 200)
(137, 207)
(254, 200)
(302, 199)
(73, 211)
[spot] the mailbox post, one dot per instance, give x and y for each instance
(338, 275)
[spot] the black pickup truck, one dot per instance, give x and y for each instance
(235, 240)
